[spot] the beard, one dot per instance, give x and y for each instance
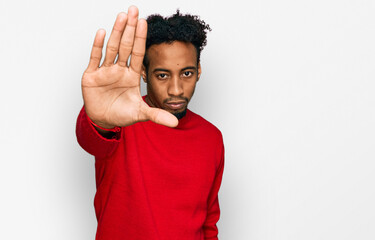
(180, 115)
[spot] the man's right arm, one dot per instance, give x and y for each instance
(111, 91)
(100, 145)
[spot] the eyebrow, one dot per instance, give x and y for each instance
(166, 70)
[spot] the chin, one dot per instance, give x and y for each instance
(180, 114)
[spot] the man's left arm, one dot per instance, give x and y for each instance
(213, 208)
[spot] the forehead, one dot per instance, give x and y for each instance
(172, 55)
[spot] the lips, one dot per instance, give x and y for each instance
(175, 105)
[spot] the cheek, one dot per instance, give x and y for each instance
(159, 89)
(190, 87)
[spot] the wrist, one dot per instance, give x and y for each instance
(104, 127)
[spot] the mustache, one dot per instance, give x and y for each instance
(176, 99)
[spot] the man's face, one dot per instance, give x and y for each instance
(171, 77)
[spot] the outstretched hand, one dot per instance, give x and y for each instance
(111, 92)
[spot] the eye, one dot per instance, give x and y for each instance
(162, 76)
(187, 73)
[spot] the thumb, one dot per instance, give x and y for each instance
(159, 116)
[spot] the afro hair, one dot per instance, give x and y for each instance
(178, 27)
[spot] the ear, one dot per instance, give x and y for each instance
(199, 71)
(144, 74)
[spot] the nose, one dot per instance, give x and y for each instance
(175, 87)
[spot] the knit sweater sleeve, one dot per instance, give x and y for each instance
(91, 141)
(213, 212)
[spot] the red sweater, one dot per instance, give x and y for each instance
(156, 182)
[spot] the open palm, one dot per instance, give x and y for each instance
(111, 92)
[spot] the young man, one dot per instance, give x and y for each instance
(158, 165)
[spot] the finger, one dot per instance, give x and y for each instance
(114, 39)
(159, 116)
(138, 51)
(96, 51)
(127, 40)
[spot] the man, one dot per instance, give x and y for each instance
(158, 165)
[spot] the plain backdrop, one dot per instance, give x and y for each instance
(289, 83)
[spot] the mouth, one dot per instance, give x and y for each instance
(176, 105)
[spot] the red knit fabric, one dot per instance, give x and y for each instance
(155, 182)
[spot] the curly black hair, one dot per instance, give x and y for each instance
(178, 27)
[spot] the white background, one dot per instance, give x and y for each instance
(289, 83)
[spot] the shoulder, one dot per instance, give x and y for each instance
(205, 126)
